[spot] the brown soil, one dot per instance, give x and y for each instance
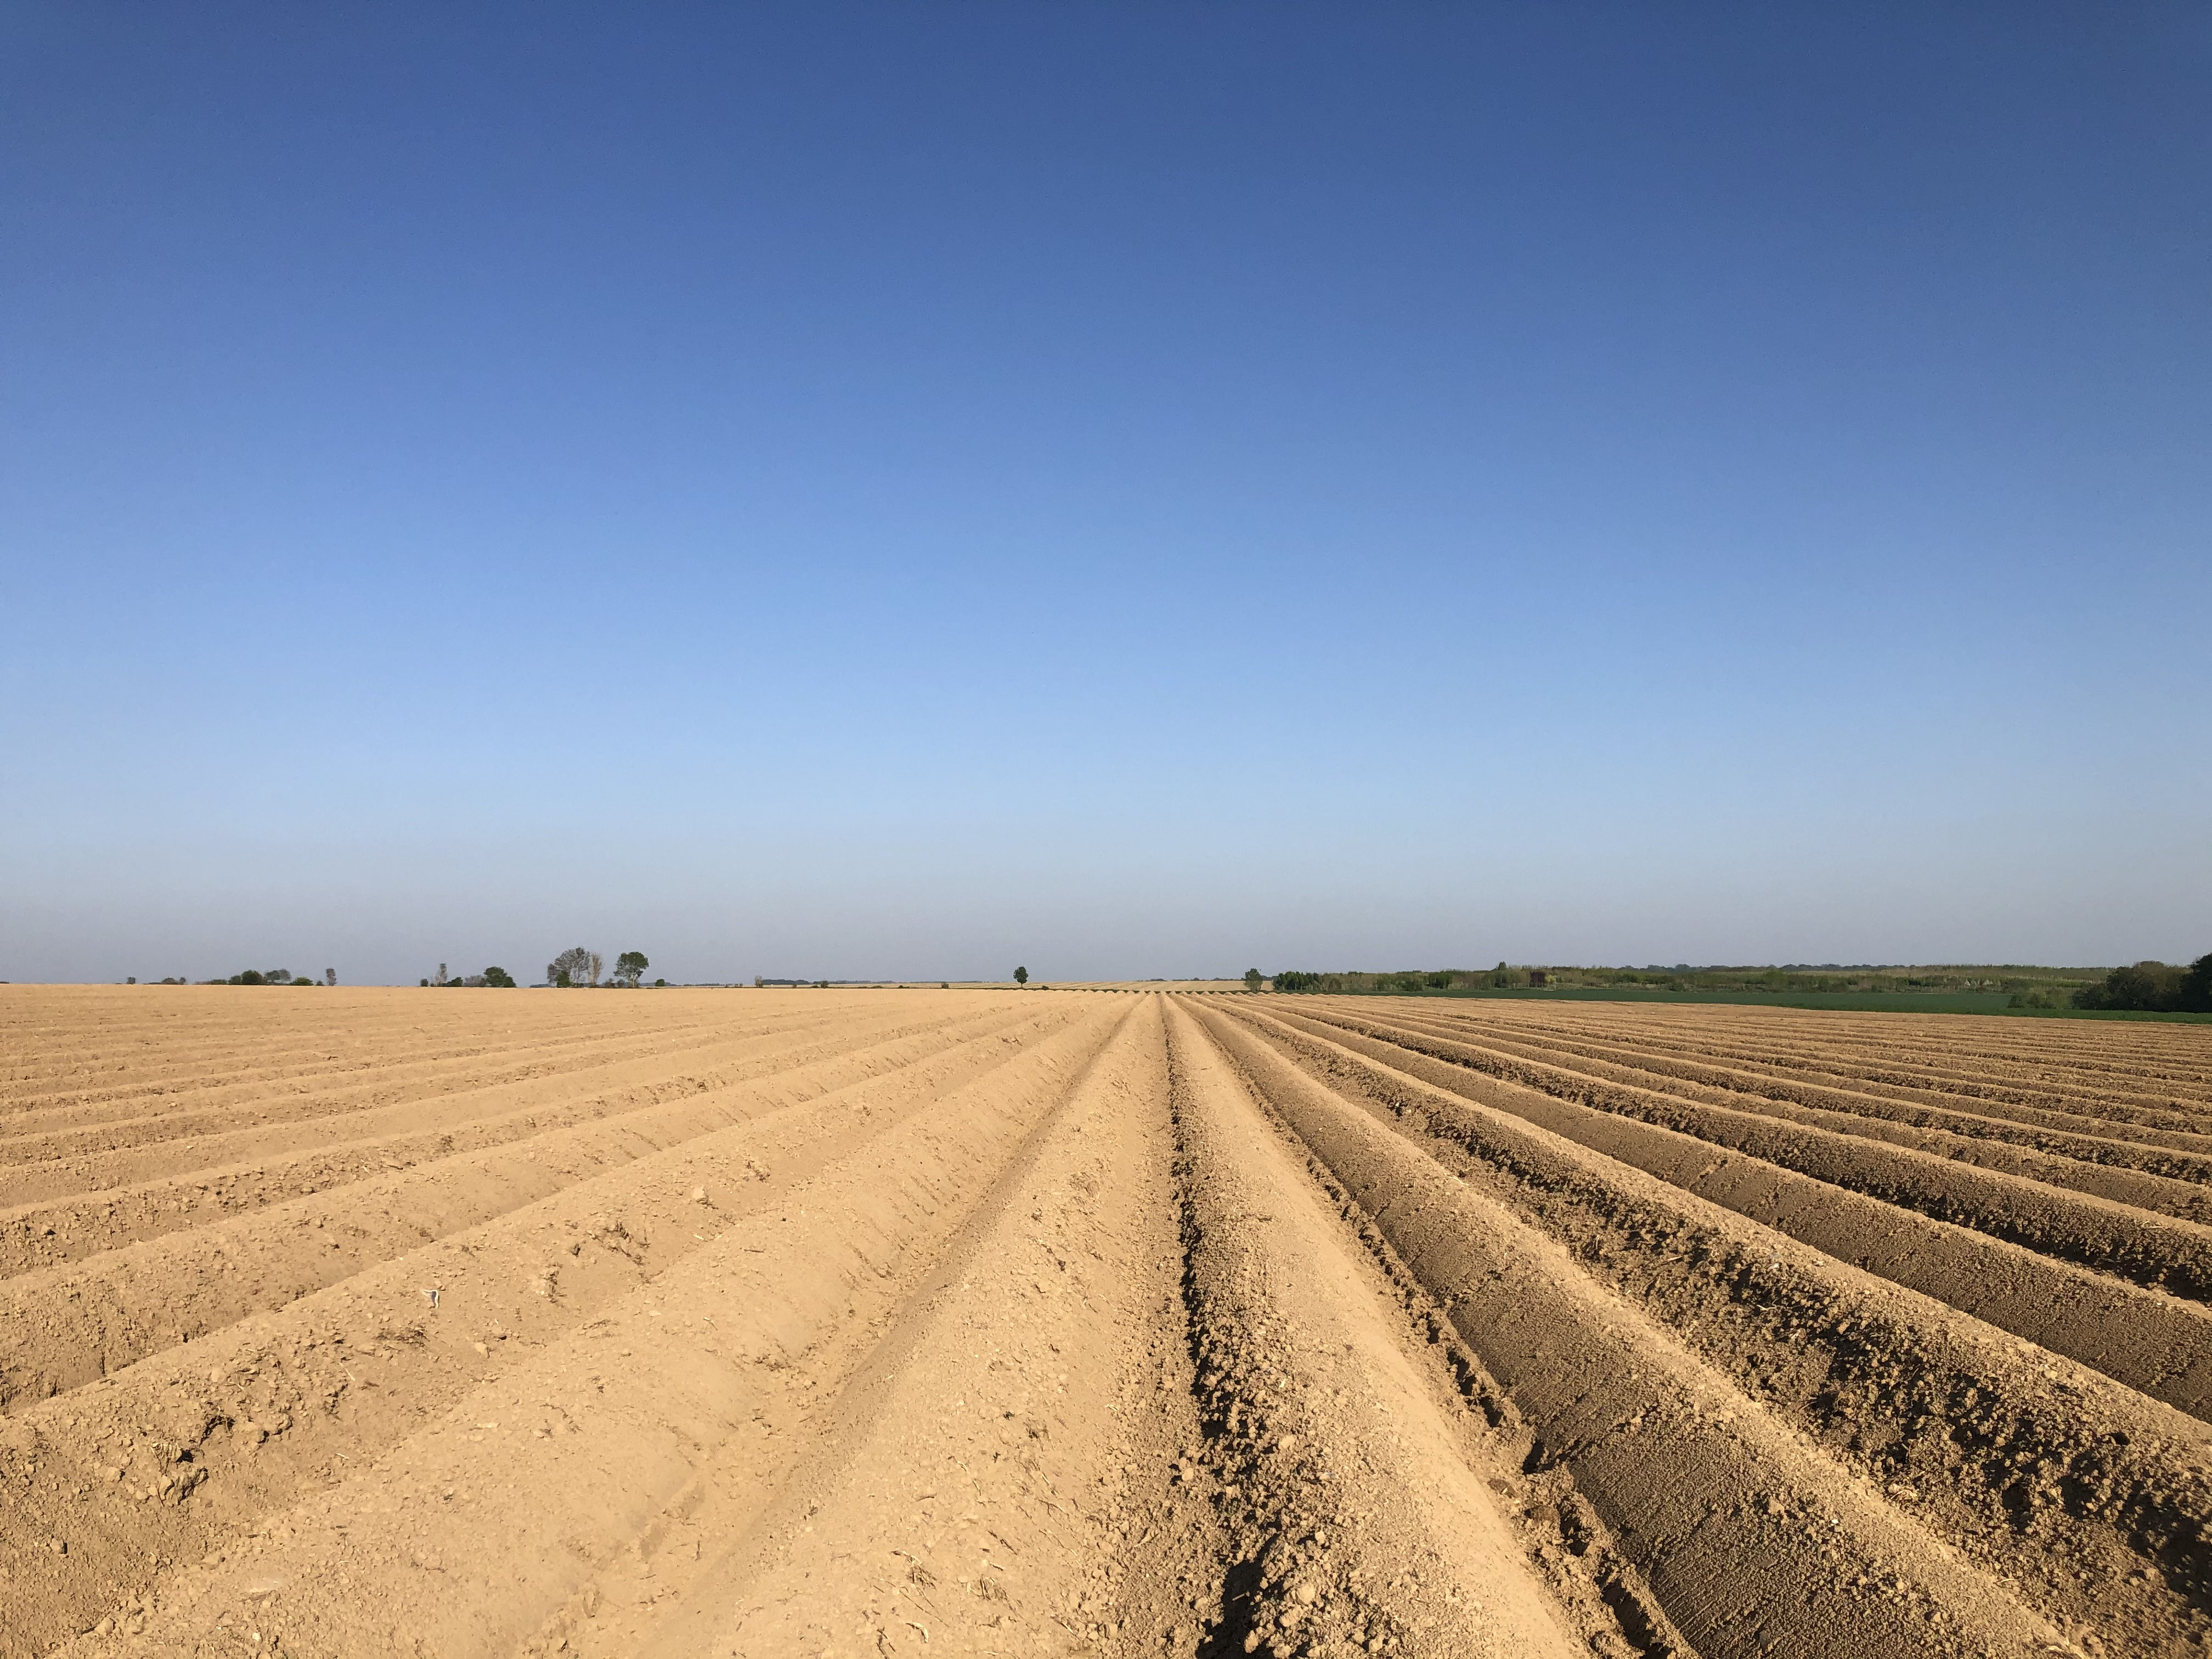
(875, 1322)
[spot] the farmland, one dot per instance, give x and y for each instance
(907, 1322)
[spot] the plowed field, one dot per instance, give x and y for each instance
(927, 1322)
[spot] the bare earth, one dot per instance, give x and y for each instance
(927, 1322)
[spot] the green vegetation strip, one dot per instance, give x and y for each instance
(1913, 1002)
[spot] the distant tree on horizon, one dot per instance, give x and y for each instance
(2153, 988)
(498, 976)
(629, 968)
(1021, 976)
(569, 967)
(1253, 978)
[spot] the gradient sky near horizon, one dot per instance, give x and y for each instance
(1131, 489)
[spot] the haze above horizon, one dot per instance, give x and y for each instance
(871, 491)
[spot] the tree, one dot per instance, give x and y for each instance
(598, 966)
(2195, 993)
(2150, 987)
(330, 975)
(629, 968)
(2153, 987)
(1021, 976)
(1298, 981)
(569, 967)
(1252, 978)
(498, 976)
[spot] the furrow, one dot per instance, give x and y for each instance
(2082, 1492)
(1788, 1041)
(66, 1326)
(993, 1406)
(2169, 1183)
(605, 1447)
(1751, 1539)
(2154, 1343)
(395, 1085)
(1947, 1066)
(1364, 1505)
(1861, 1073)
(2158, 1251)
(542, 1038)
(2027, 1124)
(220, 1178)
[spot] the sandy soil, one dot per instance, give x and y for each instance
(883, 1323)
(1153, 985)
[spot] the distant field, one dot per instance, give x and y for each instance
(1151, 985)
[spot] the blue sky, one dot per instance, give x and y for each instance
(842, 491)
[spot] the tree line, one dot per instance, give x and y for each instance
(492, 976)
(577, 967)
(2143, 987)
(2153, 988)
(574, 968)
(1406, 983)
(264, 977)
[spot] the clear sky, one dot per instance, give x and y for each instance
(1131, 489)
